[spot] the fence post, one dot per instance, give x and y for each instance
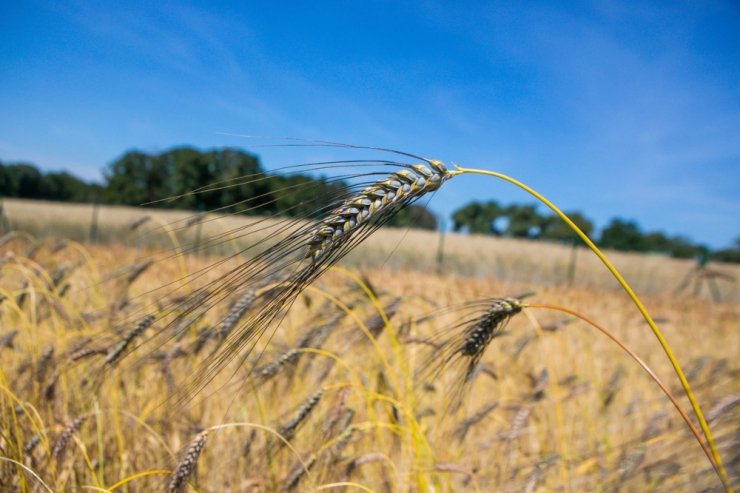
(94, 223)
(3, 219)
(441, 246)
(196, 243)
(572, 265)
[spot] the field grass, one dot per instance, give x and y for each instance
(470, 256)
(554, 405)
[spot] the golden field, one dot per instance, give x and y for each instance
(361, 404)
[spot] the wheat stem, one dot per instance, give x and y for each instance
(664, 344)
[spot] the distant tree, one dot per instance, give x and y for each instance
(623, 235)
(731, 254)
(21, 180)
(524, 221)
(414, 216)
(67, 188)
(555, 229)
(478, 218)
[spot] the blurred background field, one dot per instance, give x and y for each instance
(508, 259)
(554, 405)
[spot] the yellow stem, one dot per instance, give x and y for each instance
(635, 299)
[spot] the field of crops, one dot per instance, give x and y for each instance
(109, 382)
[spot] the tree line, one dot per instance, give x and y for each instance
(221, 178)
(138, 178)
(525, 221)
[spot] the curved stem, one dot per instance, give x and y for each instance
(644, 366)
(638, 303)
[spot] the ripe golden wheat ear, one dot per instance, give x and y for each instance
(459, 347)
(286, 256)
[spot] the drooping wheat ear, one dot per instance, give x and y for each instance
(485, 328)
(65, 436)
(59, 246)
(457, 469)
(539, 472)
(652, 428)
(697, 368)
(288, 430)
(31, 444)
(399, 188)
(520, 419)
(362, 460)
(520, 344)
(138, 270)
(50, 385)
(7, 339)
(375, 324)
(337, 411)
(297, 473)
(345, 430)
(632, 459)
(236, 314)
(271, 369)
(118, 349)
(722, 406)
(139, 222)
(613, 385)
(464, 426)
(188, 463)
(248, 444)
(44, 362)
(59, 273)
(316, 337)
(719, 367)
(84, 353)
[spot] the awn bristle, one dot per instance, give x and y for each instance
(187, 463)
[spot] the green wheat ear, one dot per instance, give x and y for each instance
(632, 295)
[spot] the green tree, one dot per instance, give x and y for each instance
(414, 216)
(478, 218)
(524, 221)
(555, 229)
(623, 235)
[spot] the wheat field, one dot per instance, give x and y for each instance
(345, 392)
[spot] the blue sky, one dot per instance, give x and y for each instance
(615, 109)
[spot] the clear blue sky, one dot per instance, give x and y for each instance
(615, 109)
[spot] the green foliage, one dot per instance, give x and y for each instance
(731, 254)
(555, 229)
(224, 180)
(627, 236)
(23, 180)
(414, 216)
(478, 218)
(524, 221)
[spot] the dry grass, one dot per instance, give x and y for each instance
(472, 256)
(542, 415)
